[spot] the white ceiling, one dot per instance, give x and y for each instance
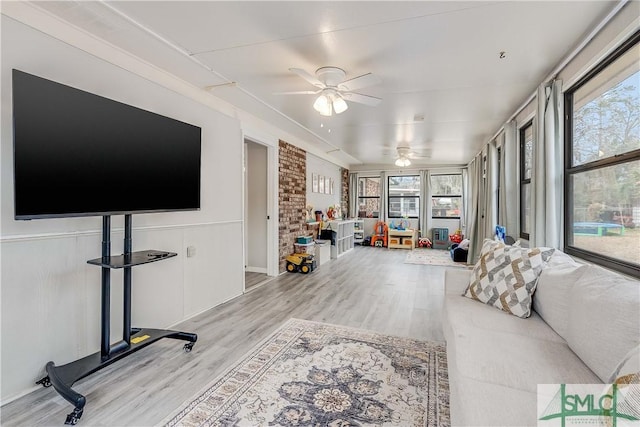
(436, 59)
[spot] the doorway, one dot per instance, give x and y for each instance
(256, 216)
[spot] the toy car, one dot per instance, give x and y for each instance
(304, 263)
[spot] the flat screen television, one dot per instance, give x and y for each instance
(80, 154)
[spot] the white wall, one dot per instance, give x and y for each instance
(321, 202)
(50, 297)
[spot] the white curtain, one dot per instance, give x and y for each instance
(475, 181)
(547, 173)
(425, 203)
(465, 201)
(509, 206)
(353, 195)
(490, 200)
(383, 197)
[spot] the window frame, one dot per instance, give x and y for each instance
(525, 234)
(570, 170)
(389, 196)
(459, 196)
(359, 197)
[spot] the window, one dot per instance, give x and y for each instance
(446, 196)
(404, 196)
(526, 163)
(369, 197)
(602, 172)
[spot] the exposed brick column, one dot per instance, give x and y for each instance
(292, 197)
(344, 193)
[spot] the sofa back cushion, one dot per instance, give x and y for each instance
(604, 319)
(554, 292)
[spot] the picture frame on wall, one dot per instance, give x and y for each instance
(314, 182)
(321, 184)
(331, 186)
(327, 184)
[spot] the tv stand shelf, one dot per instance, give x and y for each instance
(63, 377)
(132, 259)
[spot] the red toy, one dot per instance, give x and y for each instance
(424, 242)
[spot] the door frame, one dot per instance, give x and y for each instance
(272, 145)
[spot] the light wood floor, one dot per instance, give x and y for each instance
(252, 279)
(369, 288)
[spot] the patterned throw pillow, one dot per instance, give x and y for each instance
(505, 277)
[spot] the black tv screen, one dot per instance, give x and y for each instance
(79, 154)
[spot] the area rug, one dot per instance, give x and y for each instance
(432, 257)
(315, 374)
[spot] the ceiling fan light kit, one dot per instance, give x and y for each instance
(328, 102)
(335, 90)
(403, 162)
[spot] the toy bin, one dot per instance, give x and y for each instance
(304, 240)
(304, 248)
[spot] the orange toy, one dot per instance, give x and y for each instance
(380, 234)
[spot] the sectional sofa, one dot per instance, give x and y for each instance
(583, 328)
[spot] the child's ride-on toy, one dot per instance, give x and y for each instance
(304, 263)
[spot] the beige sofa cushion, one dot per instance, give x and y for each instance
(511, 352)
(554, 291)
(604, 319)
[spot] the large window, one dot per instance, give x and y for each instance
(446, 196)
(526, 163)
(602, 185)
(369, 197)
(404, 196)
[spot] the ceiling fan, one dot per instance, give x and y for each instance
(333, 89)
(404, 155)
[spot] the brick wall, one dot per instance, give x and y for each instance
(344, 193)
(292, 195)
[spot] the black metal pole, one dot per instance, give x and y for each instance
(106, 288)
(126, 320)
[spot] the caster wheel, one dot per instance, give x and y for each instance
(188, 347)
(74, 417)
(46, 382)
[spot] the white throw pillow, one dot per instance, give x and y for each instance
(554, 291)
(604, 319)
(505, 276)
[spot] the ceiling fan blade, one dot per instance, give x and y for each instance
(362, 99)
(359, 82)
(424, 154)
(299, 92)
(308, 77)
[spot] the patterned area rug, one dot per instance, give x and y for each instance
(433, 257)
(315, 374)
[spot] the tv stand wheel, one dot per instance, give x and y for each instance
(188, 346)
(74, 417)
(46, 382)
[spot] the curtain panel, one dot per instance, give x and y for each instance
(353, 195)
(384, 185)
(547, 169)
(473, 207)
(425, 203)
(490, 219)
(509, 206)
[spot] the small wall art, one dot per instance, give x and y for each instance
(327, 184)
(314, 182)
(321, 184)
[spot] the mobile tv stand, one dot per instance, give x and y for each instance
(133, 339)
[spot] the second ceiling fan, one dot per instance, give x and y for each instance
(334, 90)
